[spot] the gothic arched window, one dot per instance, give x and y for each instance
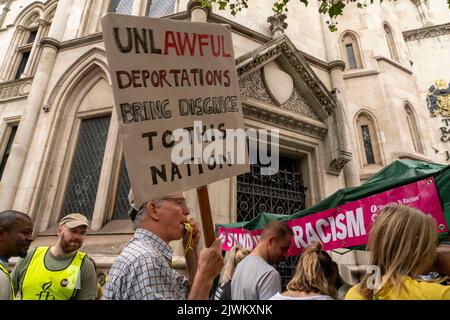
(153, 8)
(93, 179)
(121, 6)
(391, 42)
(6, 145)
(351, 50)
(368, 142)
(159, 8)
(413, 128)
(33, 24)
(90, 23)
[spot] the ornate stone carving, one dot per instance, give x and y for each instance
(338, 163)
(286, 122)
(327, 102)
(283, 46)
(33, 20)
(50, 42)
(51, 16)
(252, 86)
(336, 166)
(277, 24)
(427, 32)
(438, 99)
(43, 22)
(15, 89)
(195, 4)
(258, 60)
(297, 104)
(336, 64)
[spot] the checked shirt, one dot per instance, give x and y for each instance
(143, 271)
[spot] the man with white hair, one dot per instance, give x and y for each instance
(143, 270)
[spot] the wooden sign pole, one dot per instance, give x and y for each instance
(205, 213)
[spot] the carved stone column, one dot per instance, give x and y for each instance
(5, 10)
(424, 12)
(22, 142)
(198, 13)
(42, 25)
(345, 156)
(9, 64)
(277, 25)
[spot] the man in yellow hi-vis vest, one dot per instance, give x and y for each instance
(60, 272)
(16, 231)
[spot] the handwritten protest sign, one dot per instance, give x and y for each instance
(176, 97)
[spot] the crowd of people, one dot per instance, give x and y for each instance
(402, 244)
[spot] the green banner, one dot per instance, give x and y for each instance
(398, 173)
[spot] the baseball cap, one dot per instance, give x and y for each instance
(74, 220)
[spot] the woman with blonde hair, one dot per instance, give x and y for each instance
(316, 277)
(402, 244)
(236, 255)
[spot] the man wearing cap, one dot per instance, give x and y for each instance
(143, 270)
(60, 272)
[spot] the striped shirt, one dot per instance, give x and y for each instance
(143, 271)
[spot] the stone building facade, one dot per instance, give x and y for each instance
(346, 103)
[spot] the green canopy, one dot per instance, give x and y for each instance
(399, 173)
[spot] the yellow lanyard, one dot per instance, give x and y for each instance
(188, 228)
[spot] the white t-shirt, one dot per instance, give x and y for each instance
(278, 296)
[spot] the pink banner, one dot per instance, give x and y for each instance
(349, 224)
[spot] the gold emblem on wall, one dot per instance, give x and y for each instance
(438, 100)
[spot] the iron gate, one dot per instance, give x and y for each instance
(281, 193)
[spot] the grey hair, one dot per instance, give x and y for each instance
(139, 216)
(141, 213)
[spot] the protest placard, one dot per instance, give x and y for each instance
(177, 97)
(347, 225)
